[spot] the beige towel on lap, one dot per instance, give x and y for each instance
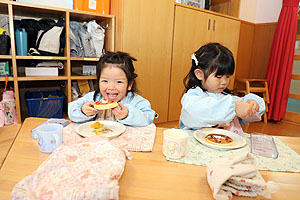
(238, 176)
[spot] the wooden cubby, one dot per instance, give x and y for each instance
(18, 81)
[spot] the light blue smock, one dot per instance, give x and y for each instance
(139, 109)
(204, 109)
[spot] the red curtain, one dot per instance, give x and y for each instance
(280, 65)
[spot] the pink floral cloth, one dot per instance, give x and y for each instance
(88, 170)
(237, 176)
(133, 139)
(235, 126)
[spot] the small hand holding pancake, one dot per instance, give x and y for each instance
(121, 112)
(88, 108)
(105, 104)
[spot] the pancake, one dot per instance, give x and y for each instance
(105, 104)
(219, 139)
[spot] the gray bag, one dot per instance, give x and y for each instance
(81, 44)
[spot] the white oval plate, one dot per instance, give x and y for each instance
(85, 129)
(238, 140)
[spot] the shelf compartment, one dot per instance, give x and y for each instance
(23, 63)
(216, 2)
(77, 67)
(106, 21)
(10, 68)
(4, 23)
(35, 13)
(10, 86)
(55, 84)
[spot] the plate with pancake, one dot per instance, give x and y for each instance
(219, 138)
(110, 129)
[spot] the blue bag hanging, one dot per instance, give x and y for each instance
(21, 42)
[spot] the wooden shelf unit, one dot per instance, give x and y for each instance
(16, 10)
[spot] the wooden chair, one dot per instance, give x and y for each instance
(256, 86)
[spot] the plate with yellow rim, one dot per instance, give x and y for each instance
(237, 140)
(109, 129)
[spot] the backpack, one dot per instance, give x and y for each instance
(50, 42)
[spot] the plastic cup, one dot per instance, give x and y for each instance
(50, 137)
(174, 143)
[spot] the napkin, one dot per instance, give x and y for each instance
(237, 176)
(88, 170)
(133, 139)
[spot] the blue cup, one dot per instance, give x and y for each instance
(50, 137)
(21, 42)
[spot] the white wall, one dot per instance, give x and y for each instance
(260, 11)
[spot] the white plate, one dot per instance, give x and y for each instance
(117, 128)
(238, 140)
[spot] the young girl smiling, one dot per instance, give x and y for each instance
(115, 82)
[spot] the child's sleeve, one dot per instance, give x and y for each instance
(258, 99)
(139, 112)
(200, 110)
(74, 108)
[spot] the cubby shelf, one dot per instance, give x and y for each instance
(18, 81)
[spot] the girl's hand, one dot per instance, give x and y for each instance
(255, 106)
(243, 109)
(88, 109)
(120, 113)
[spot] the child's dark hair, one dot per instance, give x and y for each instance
(122, 60)
(210, 58)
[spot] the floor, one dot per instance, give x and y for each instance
(282, 128)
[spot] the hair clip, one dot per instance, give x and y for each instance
(194, 58)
